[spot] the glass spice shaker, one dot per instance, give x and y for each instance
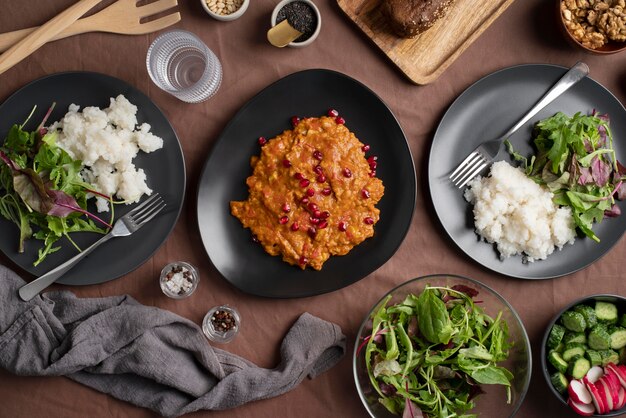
(221, 324)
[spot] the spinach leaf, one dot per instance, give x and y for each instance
(432, 318)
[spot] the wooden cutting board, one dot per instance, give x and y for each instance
(425, 57)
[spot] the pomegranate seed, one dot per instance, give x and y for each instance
(317, 154)
(312, 207)
(343, 226)
(318, 170)
(262, 140)
(295, 226)
(286, 163)
(312, 231)
(368, 220)
(314, 221)
(294, 121)
(254, 238)
(304, 200)
(326, 191)
(372, 173)
(324, 215)
(333, 113)
(303, 260)
(304, 183)
(321, 178)
(339, 120)
(310, 192)
(317, 213)
(283, 220)
(322, 224)
(365, 194)
(286, 207)
(298, 176)
(347, 172)
(371, 159)
(373, 165)
(365, 148)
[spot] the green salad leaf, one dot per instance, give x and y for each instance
(432, 351)
(41, 189)
(575, 159)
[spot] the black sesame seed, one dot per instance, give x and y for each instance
(301, 16)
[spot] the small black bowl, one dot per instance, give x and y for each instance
(620, 301)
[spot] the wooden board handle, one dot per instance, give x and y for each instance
(44, 33)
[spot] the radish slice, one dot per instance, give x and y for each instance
(614, 385)
(594, 374)
(621, 373)
(612, 368)
(622, 398)
(605, 392)
(595, 396)
(581, 408)
(578, 392)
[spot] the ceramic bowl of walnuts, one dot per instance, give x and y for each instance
(597, 26)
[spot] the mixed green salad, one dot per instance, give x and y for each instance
(575, 159)
(430, 354)
(41, 189)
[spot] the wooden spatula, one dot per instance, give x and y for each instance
(43, 34)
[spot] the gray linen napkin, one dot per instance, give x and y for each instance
(148, 356)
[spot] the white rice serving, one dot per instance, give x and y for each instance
(107, 141)
(518, 215)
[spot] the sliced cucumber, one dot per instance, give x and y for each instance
(594, 357)
(574, 321)
(589, 313)
(606, 312)
(557, 361)
(579, 368)
(618, 338)
(559, 381)
(609, 356)
(556, 335)
(575, 337)
(599, 338)
(573, 350)
(622, 320)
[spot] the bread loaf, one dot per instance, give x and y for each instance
(409, 18)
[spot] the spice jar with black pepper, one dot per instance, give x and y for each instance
(302, 15)
(221, 324)
(179, 279)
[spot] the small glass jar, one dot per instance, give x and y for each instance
(221, 324)
(179, 279)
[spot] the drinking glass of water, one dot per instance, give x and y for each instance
(182, 65)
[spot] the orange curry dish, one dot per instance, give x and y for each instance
(312, 193)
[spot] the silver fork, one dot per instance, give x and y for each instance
(486, 152)
(124, 226)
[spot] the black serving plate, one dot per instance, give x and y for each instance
(308, 93)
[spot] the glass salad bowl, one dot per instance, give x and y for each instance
(467, 335)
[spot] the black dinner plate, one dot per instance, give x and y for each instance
(307, 93)
(485, 111)
(165, 170)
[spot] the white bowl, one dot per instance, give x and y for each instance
(226, 18)
(317, 14)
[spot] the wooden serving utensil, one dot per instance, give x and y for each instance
(122, 16)
(44, 33)
(282, 34)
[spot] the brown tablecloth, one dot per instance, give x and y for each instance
(525, 33)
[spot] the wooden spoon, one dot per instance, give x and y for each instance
(43, 34)
(282, 34)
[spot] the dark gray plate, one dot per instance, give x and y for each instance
(165, 169)
(486, 110)
(308, 93)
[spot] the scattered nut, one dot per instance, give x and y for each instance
(593, 23)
